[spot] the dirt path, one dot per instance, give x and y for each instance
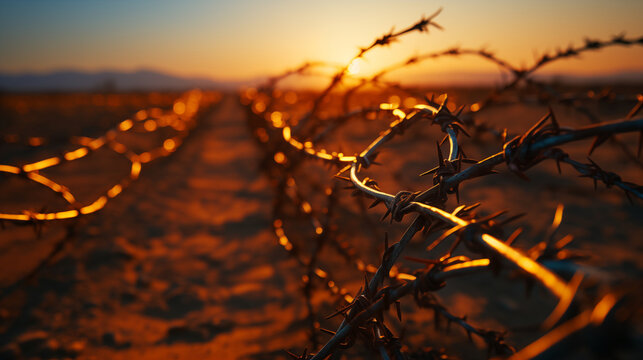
(183, 265)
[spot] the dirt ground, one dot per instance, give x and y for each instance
(184, 264)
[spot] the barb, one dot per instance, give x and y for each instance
(181, 118)
(422, 25)
(290, 139)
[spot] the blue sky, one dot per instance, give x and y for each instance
(247, 38)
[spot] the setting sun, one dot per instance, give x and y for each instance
(355, 66)
(203, 179)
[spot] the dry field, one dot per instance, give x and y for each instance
(185, 263)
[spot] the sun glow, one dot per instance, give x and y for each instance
(355, 66)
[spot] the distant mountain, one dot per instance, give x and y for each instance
(149, 80)
(107, 81)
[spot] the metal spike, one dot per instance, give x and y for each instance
(564, 241)
(457, 210)
(388, 211)
(513, 218)
(375, 203)
(514, 235)
(444, 139)
(444, 236)
(471, 207)
(429, 171)
(440, 156)
(399, 310)
(536, 126)
(457, 126)
(459, 111)
(598, 140)
(343, 170)
(330, 332)
(554, 122)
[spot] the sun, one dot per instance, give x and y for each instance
(355, 66)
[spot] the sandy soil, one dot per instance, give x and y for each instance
(184, 264)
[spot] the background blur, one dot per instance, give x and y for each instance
(227, 43)
(190, 252)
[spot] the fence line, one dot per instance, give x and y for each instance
(289, 142)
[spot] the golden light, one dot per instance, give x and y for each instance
(76, 154)
(179, 107)
(399, 113)
(286, 133)
(41, 164)
(141, 115)
(321, 273)
(118, 147)
(95, 206)
(169, 144)
(114, 191)
(9, 169)
(67, 214)
(259, 107)
(547, 278)
(125, 125)
(145, 157)
(150, 125)
(280, 158)
(136, 170)
(394, 100)
(95, 144)
(603, 308)
(250, 93)
(406, 277)
(277, 119)
(283, 241)
(355, 66)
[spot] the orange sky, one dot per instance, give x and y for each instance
(245, 39)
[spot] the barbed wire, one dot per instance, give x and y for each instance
(181, 118)
(289, 142)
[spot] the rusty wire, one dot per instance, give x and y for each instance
(289, 144)
(181, 118)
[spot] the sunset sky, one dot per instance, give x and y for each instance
(245, 39)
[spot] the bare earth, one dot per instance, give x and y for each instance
(184, 264)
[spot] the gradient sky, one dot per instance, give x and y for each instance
(242, 39)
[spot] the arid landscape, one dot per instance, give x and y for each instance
(333, 210)
(184, 264)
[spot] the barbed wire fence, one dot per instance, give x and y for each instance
(290, 136)
(178, 120)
